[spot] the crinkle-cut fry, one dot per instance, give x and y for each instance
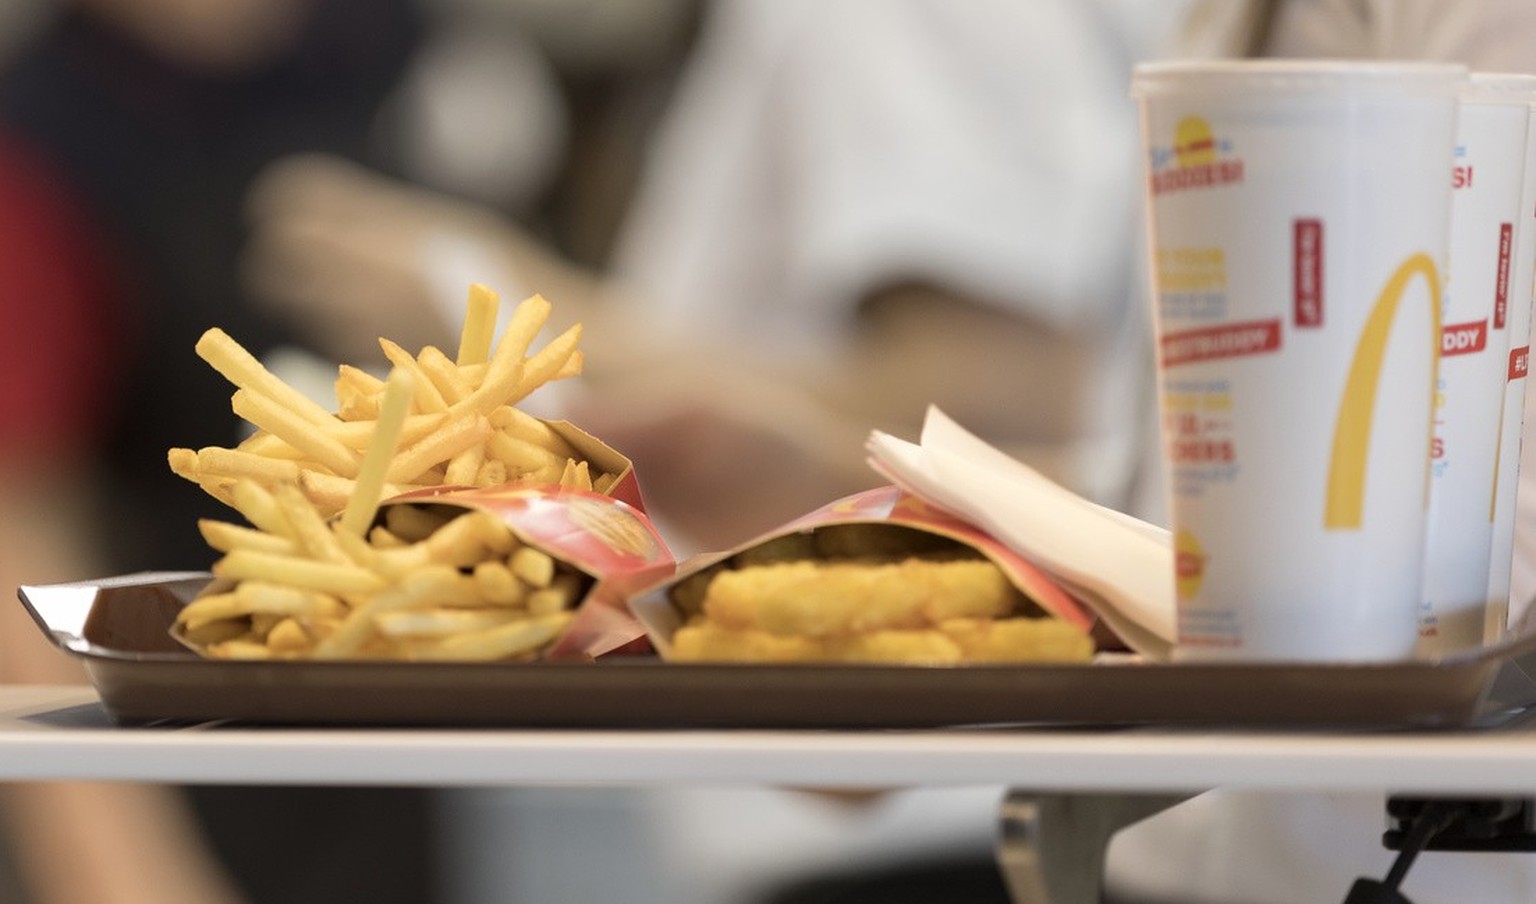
(502, 642)
(463, 468)
(441, 622)
(241, 368)
(542, 367)
(498, 585)
(533, 567)
(521, 425)
(231, 464)
(295, 571)
(226, 537)
(444, 374)
(427, 397)
(521, 456)
(492, 473)
(363, 503)
(449, 441)
(313, 534)
(357, 435)
(479, 325)
(260, 507)
(297, 432)
(421, 588)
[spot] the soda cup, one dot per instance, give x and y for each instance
(1486, 182)
(1298, 216)
(1511, 422)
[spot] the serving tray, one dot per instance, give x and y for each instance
(119, 627)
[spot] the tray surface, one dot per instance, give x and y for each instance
(119, 629)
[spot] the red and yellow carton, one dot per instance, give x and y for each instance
(561, 563)
(626, 487)
(607, 538)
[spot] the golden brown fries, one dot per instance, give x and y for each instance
(795, 600)
(457, 425)
(462, 587)
(319, 573)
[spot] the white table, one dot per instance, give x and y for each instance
(60, 733)
(1076, 787)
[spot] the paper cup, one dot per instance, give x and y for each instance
(1511, 422)
(1298, 215)
(1486, 182)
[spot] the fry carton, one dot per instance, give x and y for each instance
(626, 486)
(543, 577)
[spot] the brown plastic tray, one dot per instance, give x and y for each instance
(118, 628)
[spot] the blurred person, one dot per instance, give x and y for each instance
(128, 131)
(850, 211)
(847, 213)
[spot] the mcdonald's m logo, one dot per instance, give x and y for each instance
(1344, 508)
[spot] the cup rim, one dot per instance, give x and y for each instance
(1499, 87)
(1179, 76)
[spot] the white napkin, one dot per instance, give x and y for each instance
(1119, 566)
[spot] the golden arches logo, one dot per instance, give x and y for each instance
(1344, 507)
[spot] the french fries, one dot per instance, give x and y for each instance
(319, 572)
(465, 588)
(458, 425)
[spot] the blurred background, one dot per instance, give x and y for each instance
(782, 223)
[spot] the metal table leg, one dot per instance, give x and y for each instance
(1051, 847)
